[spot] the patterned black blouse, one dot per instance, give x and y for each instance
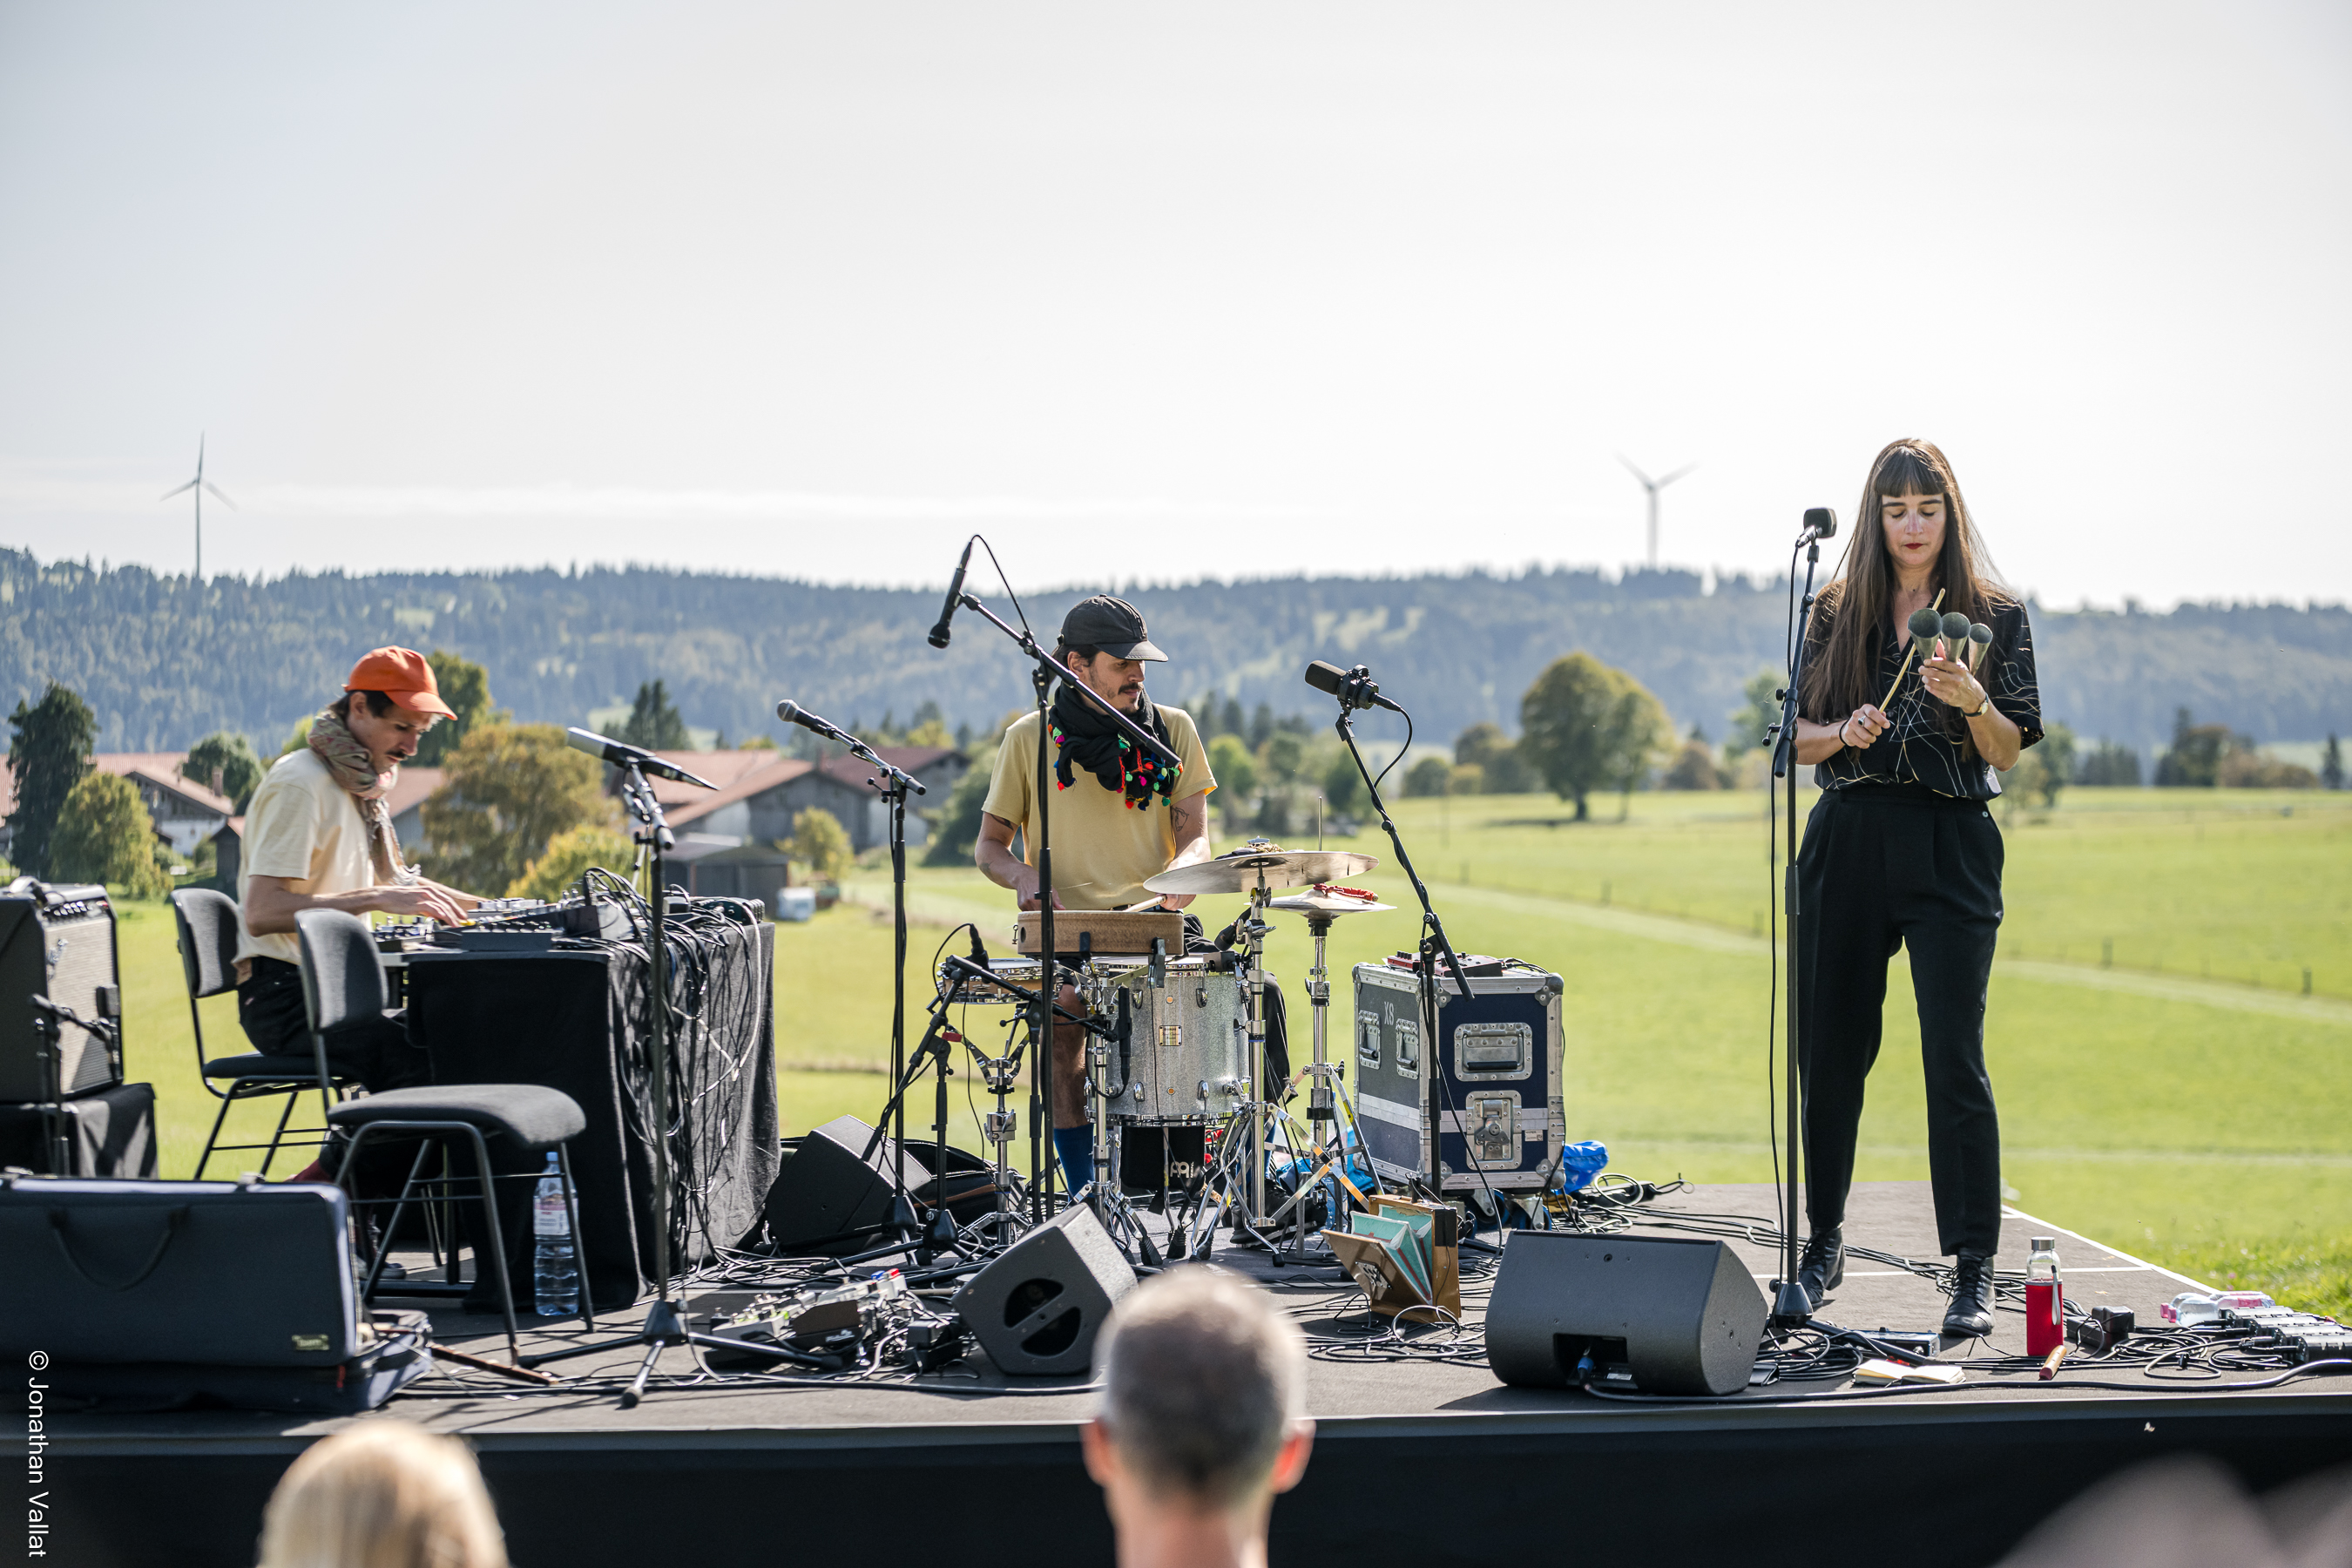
(1915, 748)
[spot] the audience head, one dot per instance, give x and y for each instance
(382, 1494)
(1205, 1398)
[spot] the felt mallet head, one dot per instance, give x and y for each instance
(1925, 623)
(1954, 631)
(1980, 639)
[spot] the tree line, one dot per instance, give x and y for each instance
(163, 661)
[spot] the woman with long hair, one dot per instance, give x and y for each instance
(383, 1493)
(1902, 851)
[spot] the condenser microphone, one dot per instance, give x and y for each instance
(955, 591)
(1354, 688)
(1820, 523)
(621, 755)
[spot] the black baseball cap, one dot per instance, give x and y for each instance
(1111, 624)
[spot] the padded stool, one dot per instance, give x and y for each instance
(527, 1116)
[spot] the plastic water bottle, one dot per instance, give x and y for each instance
(555, 1266)
(2045, 1299)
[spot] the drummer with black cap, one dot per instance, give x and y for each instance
(1118, 814)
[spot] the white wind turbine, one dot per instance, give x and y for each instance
(1654, 487)
(200, 485)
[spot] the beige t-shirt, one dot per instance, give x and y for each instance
(1102, 849)
(304, 827)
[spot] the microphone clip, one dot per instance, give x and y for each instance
(1358, 690)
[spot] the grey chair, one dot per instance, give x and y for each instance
(342, 980)
(207, 925)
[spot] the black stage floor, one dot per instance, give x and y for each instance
(1430, 1458)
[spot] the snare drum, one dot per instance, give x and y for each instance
(1188, 1054)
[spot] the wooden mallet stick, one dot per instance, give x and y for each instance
(1926, 623)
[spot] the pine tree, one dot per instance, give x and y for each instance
(654, 723)
(48, 754)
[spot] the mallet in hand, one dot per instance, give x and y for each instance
(1924, 623)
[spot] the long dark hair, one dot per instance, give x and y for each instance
(1842, 672)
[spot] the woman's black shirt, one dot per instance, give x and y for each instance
(1917, 748)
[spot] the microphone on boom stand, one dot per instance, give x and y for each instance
(620, 753)
(955, 591)
(1820, 523)
(1354, 688)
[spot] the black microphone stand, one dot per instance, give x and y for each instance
(1356, 691)
(663, 1326)
(1790, 1306)
(1049, 968)
(897, 783)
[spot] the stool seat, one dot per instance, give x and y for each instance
(536, 1117)
(260, 1064)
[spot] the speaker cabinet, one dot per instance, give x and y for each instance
(1036, 1309)
(829, 1187)
(1684, 1315)
(57, 942)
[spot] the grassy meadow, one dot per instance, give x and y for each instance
(2203, 1120)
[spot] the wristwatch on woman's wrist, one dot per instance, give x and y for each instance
(1980, 707)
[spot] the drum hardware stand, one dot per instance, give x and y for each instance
(1042, 679)
(939, 1235)
(663, 1327)
(1790, 1306)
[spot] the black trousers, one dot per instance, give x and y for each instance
(376, 1051)
(1884, 867)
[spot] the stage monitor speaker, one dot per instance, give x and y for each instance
(828, 1191)
(57, 942)
(1036, 1309)
(1682, 1315)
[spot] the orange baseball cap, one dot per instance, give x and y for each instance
(401, 674)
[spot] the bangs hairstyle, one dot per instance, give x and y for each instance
(1842, 672)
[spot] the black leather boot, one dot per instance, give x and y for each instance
(1971, 1317)
(1822, 1268)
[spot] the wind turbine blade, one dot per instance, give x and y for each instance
(1647, 482)
(1678, 473)
(216, 495)
(183, 489)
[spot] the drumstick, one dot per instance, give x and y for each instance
(1925, 618)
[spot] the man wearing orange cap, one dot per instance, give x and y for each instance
(317, 837)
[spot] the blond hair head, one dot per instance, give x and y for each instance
(382, 1494)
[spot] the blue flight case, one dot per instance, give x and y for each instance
(1490, 1113)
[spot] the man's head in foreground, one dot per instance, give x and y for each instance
(1204, 1419)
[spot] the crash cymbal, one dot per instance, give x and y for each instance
(1329, 901)
(1240, 872)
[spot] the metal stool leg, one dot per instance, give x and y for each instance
(579, 1247)
(219, 1117)
(497, 1247)
(278, 1137)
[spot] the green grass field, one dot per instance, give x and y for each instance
(2181, 1123)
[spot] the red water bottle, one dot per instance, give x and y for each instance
(2045, 1299)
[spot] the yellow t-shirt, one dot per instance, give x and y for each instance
(304, 827)
(1102, 849)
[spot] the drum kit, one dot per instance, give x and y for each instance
(1175, 1058)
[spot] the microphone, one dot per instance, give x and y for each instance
(1820, 523)
(791, 713)
(955, 591)
(621, 755)
(1353, 687)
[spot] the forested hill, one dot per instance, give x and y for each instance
(164, 661)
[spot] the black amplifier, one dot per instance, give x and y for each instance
(57, 942)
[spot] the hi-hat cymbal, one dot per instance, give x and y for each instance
(1278, 868)
(1332, 902)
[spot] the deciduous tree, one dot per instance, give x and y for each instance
(1584, 726)
(223, 762)
(105, 834)
(465, 688)
(509, 790)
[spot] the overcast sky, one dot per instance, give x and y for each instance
(1173, 292)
